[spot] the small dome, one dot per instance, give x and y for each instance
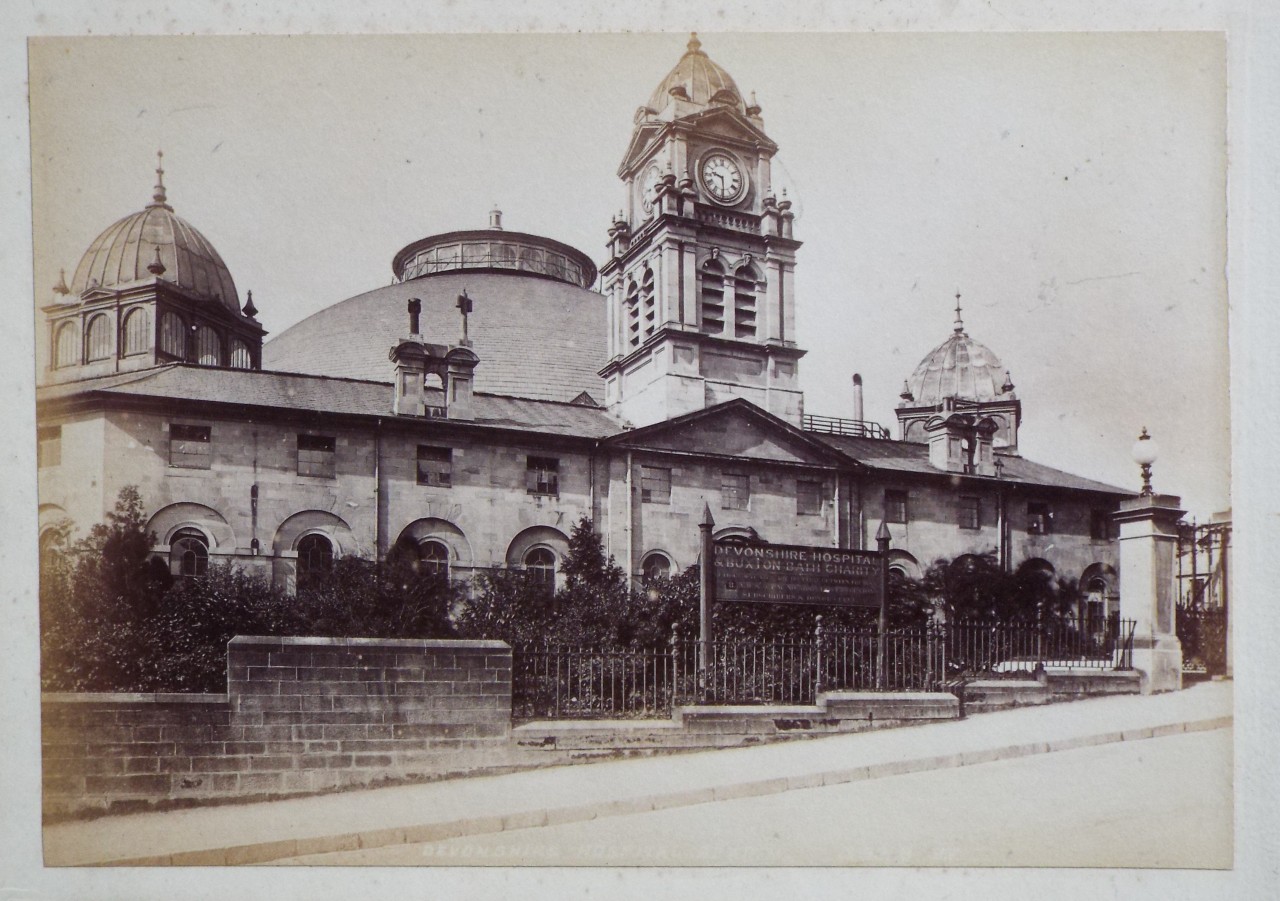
(701, 80)
(128, 250)
(960, 368)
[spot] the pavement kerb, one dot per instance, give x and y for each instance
(266, 852)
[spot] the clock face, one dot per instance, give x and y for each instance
(723, 178)
(648, 187)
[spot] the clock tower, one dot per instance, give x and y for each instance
(701, 263)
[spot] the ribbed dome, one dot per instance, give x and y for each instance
(126, 252)
(961, 368)
(701, 79)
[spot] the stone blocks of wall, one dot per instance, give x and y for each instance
(300, 715)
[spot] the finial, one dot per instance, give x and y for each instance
(156, 266)
(249, 309)
(61, 286)
(414, 306)
(158, 196)
(959, 325)
(465, 306)
(694, 45)
(495, 218)
(1008, 383)
(906, 392)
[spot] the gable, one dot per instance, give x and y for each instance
(728, 123)
(641, 140)
(731, 431)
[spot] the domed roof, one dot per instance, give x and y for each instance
(537, 337)
(127, 252)
(701, 79)
(959, 368)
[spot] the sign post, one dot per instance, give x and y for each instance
(882, 548)
(707, 589)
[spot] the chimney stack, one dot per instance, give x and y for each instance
(857, 397)
(415, 315)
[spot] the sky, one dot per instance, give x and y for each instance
(1071, 187)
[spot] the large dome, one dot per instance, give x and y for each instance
(701, 79)
(126, 252)
(537, 328)
(959, 368)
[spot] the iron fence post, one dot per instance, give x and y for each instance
(817, 657)
(883, 539)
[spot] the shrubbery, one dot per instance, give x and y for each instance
(113, 619)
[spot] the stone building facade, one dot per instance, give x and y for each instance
(481, 404)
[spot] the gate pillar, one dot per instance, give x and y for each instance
(1148, 540)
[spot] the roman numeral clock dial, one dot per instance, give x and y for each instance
(723, 178)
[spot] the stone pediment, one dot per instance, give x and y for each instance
(724, 122)
(736, 428)
(641, 140)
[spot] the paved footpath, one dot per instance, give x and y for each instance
(371, 818)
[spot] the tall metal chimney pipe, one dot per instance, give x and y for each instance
(857, 397)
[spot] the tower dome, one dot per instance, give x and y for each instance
(960, 375)
(959, 368)
(700, 79)
(154, 242)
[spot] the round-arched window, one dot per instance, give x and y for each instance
(315, 556)
(137, 332)
(173, 335)
(66, 346)
(208, 347)
(99, 342)
(656, 566)
(188, 554)
(540, 564)
(435, 558)
(241, 358)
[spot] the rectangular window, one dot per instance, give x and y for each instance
(735, 491)
(655, 485)
(316, 455)
(808, 498)
(543, 476)
(970, 513)
(1039, 519)
(435, 466)
(189, 446)
(895, 505)
(49, 446)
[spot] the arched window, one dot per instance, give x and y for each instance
(208, 347)
(744, 302)
(435, 558)
(656, 566)
(540, 563)
(173, 335)
(711, 298)
(99, 342)
(66, 346)
(137, 333)
(648, 307)
(188, 554)
(241, 358)
(633, 314)
(315, 556)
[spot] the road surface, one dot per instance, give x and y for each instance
(1163, 802)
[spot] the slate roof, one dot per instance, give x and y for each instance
(305, 393)
(535, 337)
(352, 397)
(911, 457)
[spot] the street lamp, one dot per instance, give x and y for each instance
(1145, 451)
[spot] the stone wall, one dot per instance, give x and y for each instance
(300, 715)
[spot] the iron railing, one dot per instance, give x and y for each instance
(834, 425)
(555, 682)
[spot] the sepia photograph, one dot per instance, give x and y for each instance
(664, 449)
